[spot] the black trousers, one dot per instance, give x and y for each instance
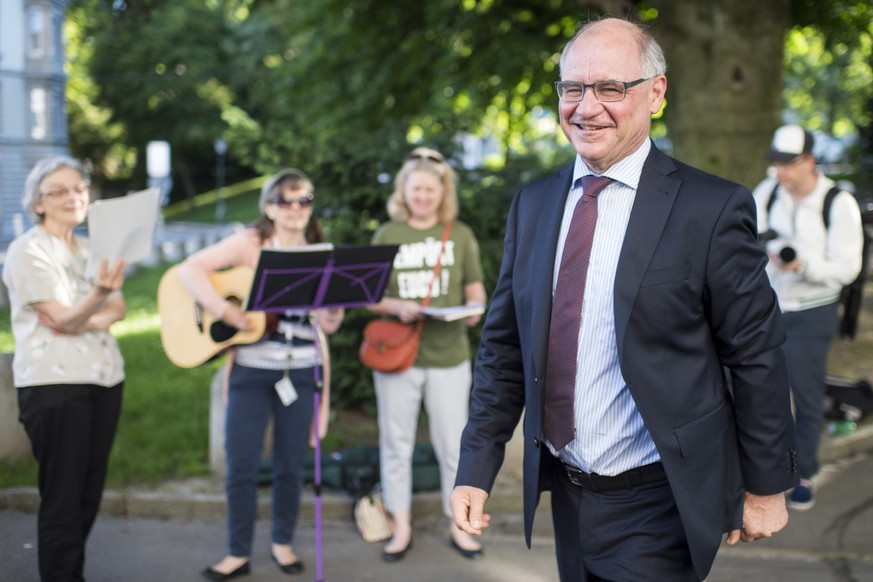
(627, 535)
(71, 428)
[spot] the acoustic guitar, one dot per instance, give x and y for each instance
(191, 336)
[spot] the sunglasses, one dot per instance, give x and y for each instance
(303, 201)
(430, 157)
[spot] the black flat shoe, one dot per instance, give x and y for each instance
(396, 556)
(211, 574)
(469, 554)
(292, 568)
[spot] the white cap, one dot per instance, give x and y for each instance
(790, 141)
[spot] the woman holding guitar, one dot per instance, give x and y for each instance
(271, 377)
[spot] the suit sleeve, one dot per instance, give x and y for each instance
(497, 399)
(747, 328)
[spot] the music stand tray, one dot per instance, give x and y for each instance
(319, 276)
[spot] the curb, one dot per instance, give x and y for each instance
(835, 448)
(186, 506)
(178, 502)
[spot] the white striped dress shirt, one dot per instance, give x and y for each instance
(610, 434)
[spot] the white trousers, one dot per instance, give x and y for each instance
(446, 396)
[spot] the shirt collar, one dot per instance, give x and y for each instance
(627, 170)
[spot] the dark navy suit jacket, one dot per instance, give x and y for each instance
(692, 302)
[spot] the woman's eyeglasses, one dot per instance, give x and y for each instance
(429, 157)
(303, 201)
(61, 192)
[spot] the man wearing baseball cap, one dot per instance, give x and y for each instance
(810, 262)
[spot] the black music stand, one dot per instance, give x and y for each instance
(313, 277)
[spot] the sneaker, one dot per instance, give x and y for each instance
(803, 496)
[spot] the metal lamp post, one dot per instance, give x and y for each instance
(220, 151)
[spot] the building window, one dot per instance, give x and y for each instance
(37, 32)
(38, 113)
(58, 115)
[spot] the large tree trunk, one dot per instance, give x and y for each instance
(724, 92)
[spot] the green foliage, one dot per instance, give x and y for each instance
(828, 87)
(829, 67)
(103, 143)
(157, 68)
(342, 90)
(7, 343)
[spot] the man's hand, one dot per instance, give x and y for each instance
(763, 515)
(468, 504)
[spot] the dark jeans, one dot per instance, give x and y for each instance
(71, 429)
(809, 335)
(252, 400)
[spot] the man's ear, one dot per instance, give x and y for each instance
(659, 91)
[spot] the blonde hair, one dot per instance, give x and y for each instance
(432, 162)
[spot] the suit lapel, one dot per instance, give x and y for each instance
(652, 205)
(551, 197)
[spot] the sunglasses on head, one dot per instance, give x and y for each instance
(430, 157)
(304, 201)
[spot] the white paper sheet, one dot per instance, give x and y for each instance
(123, 227)
(453, 313)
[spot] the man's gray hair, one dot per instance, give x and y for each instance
(652, 60)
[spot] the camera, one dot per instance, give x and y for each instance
(786, 254)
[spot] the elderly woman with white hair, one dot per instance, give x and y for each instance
(67, 366)
(287, 355)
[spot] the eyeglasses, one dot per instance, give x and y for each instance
(604, 91)
(430, 157)
(61, 192)
(303, 201)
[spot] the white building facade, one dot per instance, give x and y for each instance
(33, 119)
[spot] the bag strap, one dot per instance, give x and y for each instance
(436, 270)
(771, 200)
(826, 206)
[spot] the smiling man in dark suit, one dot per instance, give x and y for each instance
(615, 323)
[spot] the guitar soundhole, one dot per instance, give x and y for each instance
(220, 331)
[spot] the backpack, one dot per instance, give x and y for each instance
(847, 399)
(852, 294)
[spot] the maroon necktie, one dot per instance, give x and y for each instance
(559, 402)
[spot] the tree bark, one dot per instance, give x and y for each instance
(724, 92)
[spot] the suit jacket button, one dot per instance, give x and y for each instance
(536, 442)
